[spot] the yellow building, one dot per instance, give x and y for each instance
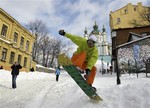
(129, 16)
(15, 43)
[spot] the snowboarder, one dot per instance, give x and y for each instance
(15, 72)
(86, 55)
(57, 72)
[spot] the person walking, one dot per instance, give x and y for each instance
(57, 72)
(85, 56)
(15, 72)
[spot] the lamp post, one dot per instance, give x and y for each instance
(102, 60)
(102, 46)
(114, 34)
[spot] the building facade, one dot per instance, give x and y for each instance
(130, 16)
(15, 43)
(122, 35)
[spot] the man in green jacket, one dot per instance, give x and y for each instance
(85, 56)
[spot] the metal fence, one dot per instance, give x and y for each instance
(133, 56)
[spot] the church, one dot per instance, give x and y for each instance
(104, 47)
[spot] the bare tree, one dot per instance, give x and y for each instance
(44, 45)
(48, 52)
(59, 46)
(40, 30)
(145, 15)
(46, 49)
(143, 19)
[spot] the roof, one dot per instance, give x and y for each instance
(11, 18)
(147, 26)
(133, 36)
(134, 41)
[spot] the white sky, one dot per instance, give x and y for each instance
(71, 15)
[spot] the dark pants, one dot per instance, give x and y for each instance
(57, 77)
(14, 77)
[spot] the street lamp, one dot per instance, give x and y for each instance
(102, 59)
(114, 46)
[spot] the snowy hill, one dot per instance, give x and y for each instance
(40, 90)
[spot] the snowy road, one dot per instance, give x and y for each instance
(40, 90)
(39, 93)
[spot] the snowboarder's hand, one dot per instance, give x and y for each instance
(87, 71)
(62, 32)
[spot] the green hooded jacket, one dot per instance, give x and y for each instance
(91, 53)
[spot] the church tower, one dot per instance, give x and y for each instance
(104, 42)
(86, 36)
(97, 33)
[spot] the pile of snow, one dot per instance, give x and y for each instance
(99, 65)
(38, 65)
(40, 90)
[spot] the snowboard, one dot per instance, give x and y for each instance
(66, 63)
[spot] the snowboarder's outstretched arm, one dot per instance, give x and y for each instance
(78, 40)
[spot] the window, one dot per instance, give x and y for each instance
(4, 53)
(15, 37)
(19, 59)
(125, 11)
(12, 57)
(135, 9)
(22, 41)
(4, 30)
(118, 20)
(27, 46)
(25, 62)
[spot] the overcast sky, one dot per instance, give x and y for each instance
(71, 15)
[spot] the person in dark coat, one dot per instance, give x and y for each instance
(15, 72)
(57, 72)
(111, 70)
(1, 67)
(32, 69)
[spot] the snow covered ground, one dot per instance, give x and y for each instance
(40, 90)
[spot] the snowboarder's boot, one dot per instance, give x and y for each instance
(93, 88)
(85, 76)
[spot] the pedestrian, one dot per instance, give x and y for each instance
(1, 67)
(57, 72)
(15, 72)
(85, 56)
(32, 69)
(111, 70)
